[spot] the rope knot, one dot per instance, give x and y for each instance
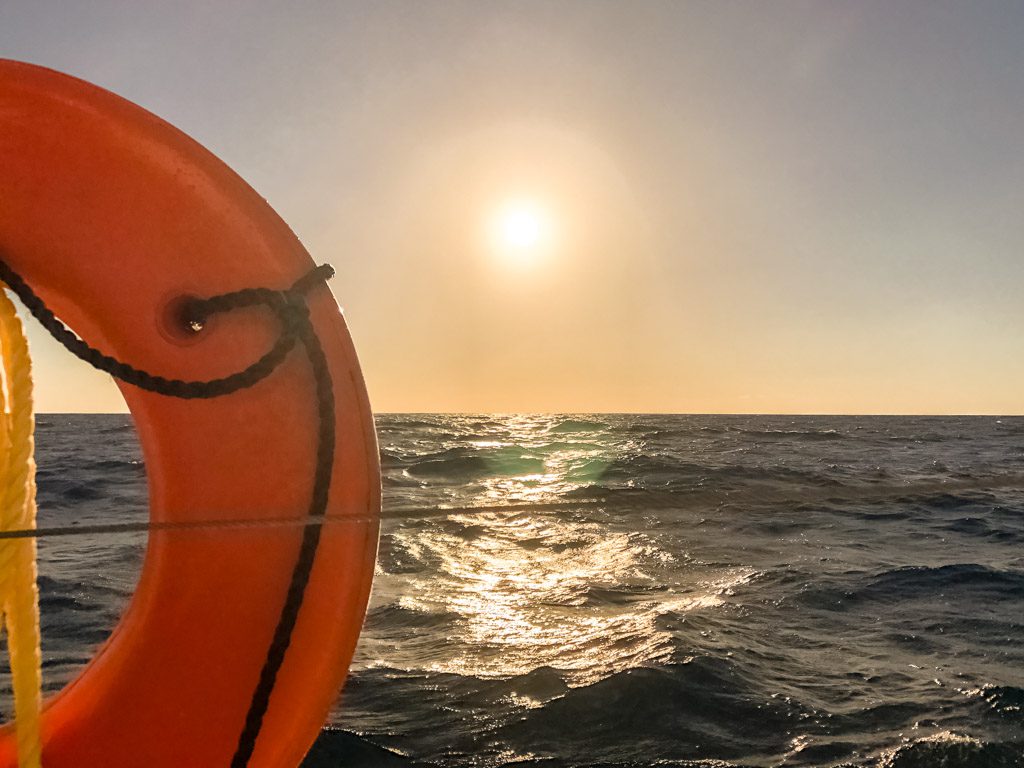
(293, 311)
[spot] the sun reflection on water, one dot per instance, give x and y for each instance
(523, 590)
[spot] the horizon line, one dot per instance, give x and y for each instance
(624, 413)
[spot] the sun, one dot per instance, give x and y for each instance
(520, 229)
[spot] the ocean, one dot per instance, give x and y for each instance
(666, 591)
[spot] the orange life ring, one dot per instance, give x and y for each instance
(111, 215)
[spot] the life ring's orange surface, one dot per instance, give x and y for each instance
(110, 215)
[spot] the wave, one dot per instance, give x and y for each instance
(396, 556)
(911, 582)
(52, 587)
(1006, 700)
(621, 595)
(914, 439)
(914, 579)
(460, 464)
(953, 751)
(539, 685)
(392, 459)
(947, 500)
(335, 747)
(64, 489)
(678, 712)
(791, 434)
(126, 427)
(396, 616)
(978, 527)
(577, 425)
(665, 472)
(396, 422)
(114, 466)
(567, 445)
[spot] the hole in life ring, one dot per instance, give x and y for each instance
(90, 471)
(178, 322)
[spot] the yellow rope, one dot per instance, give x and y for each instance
(19, 595)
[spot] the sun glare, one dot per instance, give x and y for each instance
(520, 230)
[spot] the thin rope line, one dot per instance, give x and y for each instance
(278, 522)
(649, 500)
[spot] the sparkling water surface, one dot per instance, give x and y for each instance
(667, 590)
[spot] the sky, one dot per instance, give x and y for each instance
(751, 207)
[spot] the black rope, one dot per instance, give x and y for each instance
(292, 312)
(310, 540)
(285, 305)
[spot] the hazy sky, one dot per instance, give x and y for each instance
(746, 206)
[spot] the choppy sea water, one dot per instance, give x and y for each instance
(669, 590)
